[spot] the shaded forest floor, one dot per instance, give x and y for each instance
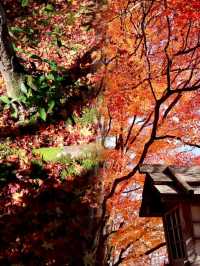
(48, 206)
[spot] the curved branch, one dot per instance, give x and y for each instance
(160, 245)
(179, 139)
(172, 104)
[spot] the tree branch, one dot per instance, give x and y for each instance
(160, 245)
(120, 259)
(172, 104)
(179, 139)
(189, 50)
(169, 61)
(129, 132)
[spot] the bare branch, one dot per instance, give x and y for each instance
(129, 131)
(143, 25)
(146, 123)
(187, 35)
(123, 250)
(169, 61)
(160, 245)
(172, 104)
(189, 50)
(179, 139)
(131, 190)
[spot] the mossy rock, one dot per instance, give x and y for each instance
(73, 152)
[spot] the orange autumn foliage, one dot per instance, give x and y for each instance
(151, 110)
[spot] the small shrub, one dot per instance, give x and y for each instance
(89, 164)
(6, 151)
(89, 115)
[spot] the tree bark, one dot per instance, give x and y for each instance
(9, 65)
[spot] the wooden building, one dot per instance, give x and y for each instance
(173, 193)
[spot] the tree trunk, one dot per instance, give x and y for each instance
(9, 65)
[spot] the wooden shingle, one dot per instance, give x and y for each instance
(168, 183)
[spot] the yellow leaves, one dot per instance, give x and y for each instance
(17, 197)
(1, 82)
(86, 131)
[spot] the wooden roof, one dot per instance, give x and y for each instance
(168, 183)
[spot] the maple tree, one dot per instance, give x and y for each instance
(148, 76)
(150, 111)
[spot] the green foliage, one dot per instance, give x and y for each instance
(63, 175)
(24, 3)
(71, 170)
(49, 8)
(38, 162)
(44, 22)
(26, 33)
(5, 150)
(48, 154)
(41, 94)
(5, 99)
(16, 30)
(71, 18)
(65, 160)
(10, 104)
(88, 117)
(77, 167)
(89, 164)
(56, 34)
(42, 113)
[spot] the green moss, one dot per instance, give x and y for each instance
(71, 170)
(48, 154)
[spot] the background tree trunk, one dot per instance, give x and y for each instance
(9, 65)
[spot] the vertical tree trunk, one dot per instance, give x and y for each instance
(9, 66)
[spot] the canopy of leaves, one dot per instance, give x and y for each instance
(150, 108)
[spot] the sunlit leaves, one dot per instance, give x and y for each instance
(43, 114)
(152, 55)
(24, 3)
(5, 99)
(51, 105)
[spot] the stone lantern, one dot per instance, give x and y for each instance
(173, 193)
